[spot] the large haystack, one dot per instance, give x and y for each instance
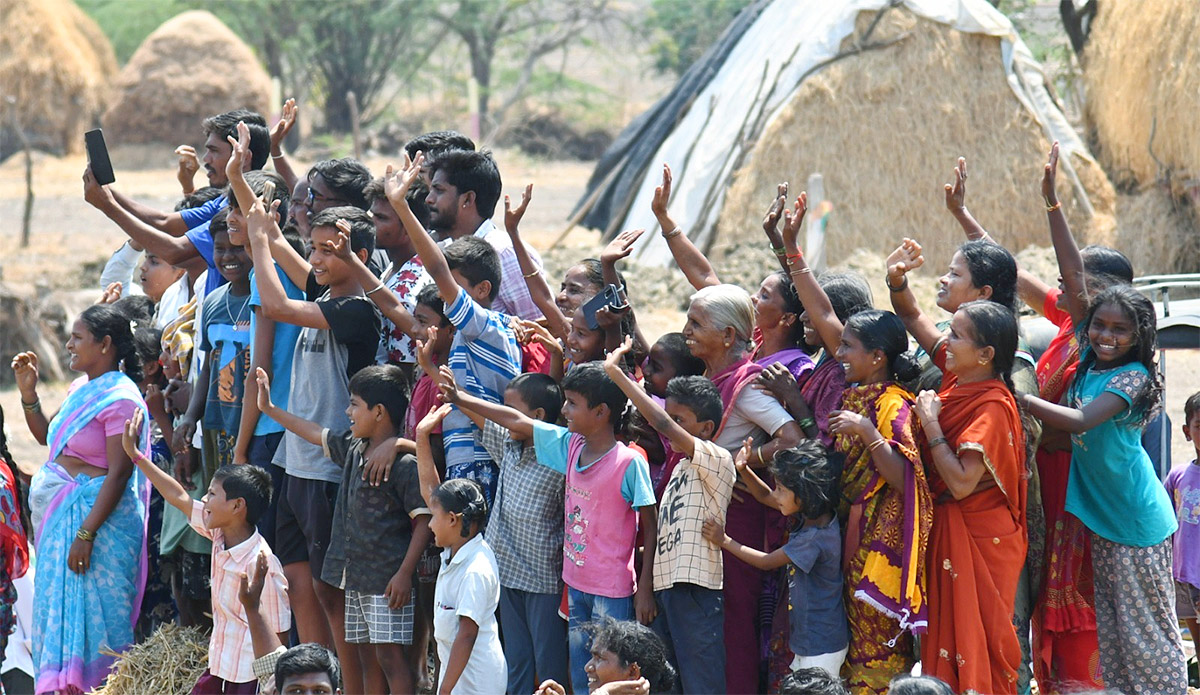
(1140, 67)
(1158, 232)
(884, 127)
(55, 66)
(191, 67)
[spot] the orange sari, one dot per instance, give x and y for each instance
(977, 544)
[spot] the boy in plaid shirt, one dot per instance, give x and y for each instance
(525, 530)
(688, 570)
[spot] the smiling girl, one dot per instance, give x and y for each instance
(1113, 490)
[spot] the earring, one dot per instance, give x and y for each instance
(876, 361)
(982, 362)
(103, 350)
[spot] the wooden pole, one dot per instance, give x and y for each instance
(352, 100)
(28, 214)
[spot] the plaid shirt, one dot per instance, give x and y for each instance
(513, 298)
(525, 528)
(230, 651)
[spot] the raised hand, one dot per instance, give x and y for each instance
(615, 359)
(110, 294)
(281, 129)
(792, 219)
(250, 587)
(340, 246)
(259, 220)
(94, 194)
(662, 194)
(741, 461)
(771, 219)
(25, 369)
(425, 352)
(621, 246)
(396, 183)
(240, 154)
(956, 193)
(528, 331)
(189, 164)
(1049, 175)
(512, 218)
(907, 257)
(432, 420)
(550, 687)
(131, 435)
(447, 386)
(264, 390)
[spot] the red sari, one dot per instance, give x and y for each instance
(977, 544)
(1066, 653)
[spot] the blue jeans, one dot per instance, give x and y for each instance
(585, 608)
(691, 623)
(535, 638)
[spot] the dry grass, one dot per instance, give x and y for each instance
(190, 67)
(168, 663)
(1140, 71)
(1158, 232)
(885, 127)
(55, 64)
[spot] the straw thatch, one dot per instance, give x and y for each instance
(1158, 232)
(884, 127)
(1140, 67)
(189, 68)
(168, 663)
(55, 67)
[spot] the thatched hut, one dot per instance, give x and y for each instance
(189, 68)
(55, 68)
(878, 97)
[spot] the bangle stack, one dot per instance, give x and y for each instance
(673, 233)
(938, 440)
(903, 286)
(806, 423)
(85, 535)
(779, 251)
(34, 407)
(876, 444)
(792, 260)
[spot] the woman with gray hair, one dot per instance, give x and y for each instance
(718, 331)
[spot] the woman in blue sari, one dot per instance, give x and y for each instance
(89, 507)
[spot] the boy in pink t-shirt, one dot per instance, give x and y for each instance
(608, 488)
(1183, 484)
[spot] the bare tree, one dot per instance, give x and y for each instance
(539, 27)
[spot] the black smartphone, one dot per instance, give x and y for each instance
(609, 296)
(97, 154)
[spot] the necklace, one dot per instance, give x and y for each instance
(241, 312)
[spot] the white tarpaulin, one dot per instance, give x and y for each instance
(758, 78)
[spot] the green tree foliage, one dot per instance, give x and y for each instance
(127, 23)
(684, 30)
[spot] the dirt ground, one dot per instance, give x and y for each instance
(70, 242)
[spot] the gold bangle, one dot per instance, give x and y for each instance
(800, 271)
(85, 535)
(531, 274)
(673, 233)
(34, 407)
(876, 444)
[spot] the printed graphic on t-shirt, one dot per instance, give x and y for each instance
(312, 340)
(670, 516)
(1188, 504)
(575, 543)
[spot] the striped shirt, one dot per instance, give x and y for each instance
(230, 651)
(484, 357)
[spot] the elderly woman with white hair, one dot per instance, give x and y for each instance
(720, 322)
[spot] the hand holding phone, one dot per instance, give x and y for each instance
(98, 160)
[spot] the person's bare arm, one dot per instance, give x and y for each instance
(714, 531)
(396, 185)
(891, 465)
(25, 369)
(516, 422)
(262, 640)
(387, 301)
(306, 429)
(427, 472)
(171, 248)
(907, 257)
(643, 598)
(1070, 261)
(961, 473)
(1075, 420)
(276, 305)
(539, 291)
(691, 260)
(816, 302)
(754, 484)
(171, 490)
(264, 347)
(655, 416)
(460, 654)
(170, 223)
(279, 160)
(771, 225)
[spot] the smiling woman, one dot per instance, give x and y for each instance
(89, 507)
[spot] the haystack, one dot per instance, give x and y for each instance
(1158, 231)
(55, 66)
(189, 68)
(879, 96)
(1140, 66)
(884, 127)
(168, 663)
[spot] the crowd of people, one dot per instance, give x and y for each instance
(345, 411)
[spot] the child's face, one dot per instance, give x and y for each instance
(584, 344)
(427, 318)
(219, 512)
(1112, 334)
(364, 420)
(478, 291)
(237, 226)
(786, 500)
(685, 417)
(580, 418)
(389, 233)
(658, 370)
(1191, 431)
(605, 667)
(308, 684)
(327, 267)
(156, 276)
(232, 261)
(446, 526)
(513, 399)
(576, 289)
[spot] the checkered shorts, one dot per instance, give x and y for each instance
(370, 621)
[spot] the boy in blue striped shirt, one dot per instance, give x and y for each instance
(484, 355)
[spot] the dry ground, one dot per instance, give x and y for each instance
(71, 240)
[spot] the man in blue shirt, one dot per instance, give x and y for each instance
(178, 236)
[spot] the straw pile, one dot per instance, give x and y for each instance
(1140, 68)
(885, 127)
(167, 664)
(1158, 232)
(55, 65)
(189, 68)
